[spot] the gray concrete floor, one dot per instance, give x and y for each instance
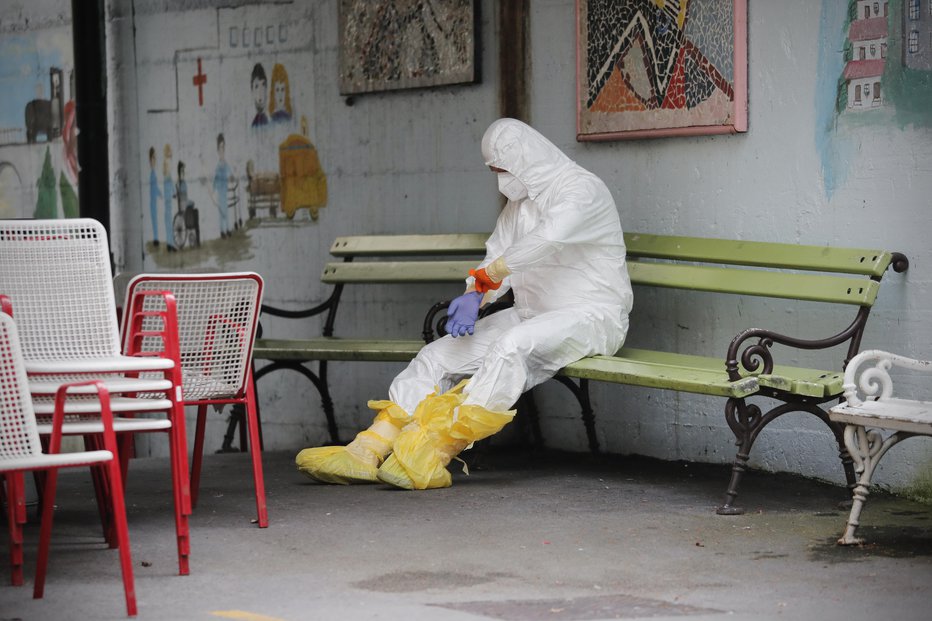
(529, 535)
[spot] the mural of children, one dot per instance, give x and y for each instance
(169, 193)
(221, 187)
(280, 105)
(154, 195)
(260, 95)
(68, 178)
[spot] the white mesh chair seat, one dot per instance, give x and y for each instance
(58, 460)
(79, 425)
(102, 364)
(199, 386)
(89, 404)
(114, 385)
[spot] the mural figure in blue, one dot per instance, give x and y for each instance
(221, 188)
(169, 193)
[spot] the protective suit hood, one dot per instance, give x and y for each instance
(521, 150)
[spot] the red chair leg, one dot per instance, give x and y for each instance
(16, 517)
(45, 531)
(181, 489)
(101, 492)
(198, 454)
(127, 449)
(118, 508)
(255, 452)
(255, 398)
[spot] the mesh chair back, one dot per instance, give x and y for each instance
(57, 274)
(18, 435)
(217, 320)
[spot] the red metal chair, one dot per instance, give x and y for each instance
(21, 451)
(217, 322)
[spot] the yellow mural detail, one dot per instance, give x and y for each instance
(303, 183)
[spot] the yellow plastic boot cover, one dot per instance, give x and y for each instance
(357, 462)
(422, 453)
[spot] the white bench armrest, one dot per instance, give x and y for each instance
(875, 381)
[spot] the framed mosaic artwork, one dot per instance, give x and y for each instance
(654, 68)
(400, 44)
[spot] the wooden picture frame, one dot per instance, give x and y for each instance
(657, 68)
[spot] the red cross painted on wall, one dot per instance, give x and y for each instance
(199, 80)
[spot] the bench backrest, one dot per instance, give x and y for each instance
(792, 271)
(404, 258)
(815, 273)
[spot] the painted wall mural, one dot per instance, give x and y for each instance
(882, 76)
(38, 133)
(231, 124)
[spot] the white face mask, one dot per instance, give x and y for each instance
(509, 185)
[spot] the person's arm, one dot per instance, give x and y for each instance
(501, 238)
(565, 222)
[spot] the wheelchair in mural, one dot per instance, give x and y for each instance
(186, 225)
(299, 183)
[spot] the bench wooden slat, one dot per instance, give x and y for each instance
(333, 348)
(805, 382)
(761, 254)
(397, 272)
(701, 374)
(409, 245)
(680, 372)
(813, 287)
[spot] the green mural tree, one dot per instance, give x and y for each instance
(47, 202)
(69, 198)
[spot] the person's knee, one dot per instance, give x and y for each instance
(510, 347)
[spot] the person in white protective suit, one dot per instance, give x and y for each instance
(558, 247)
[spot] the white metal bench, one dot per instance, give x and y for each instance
(878, 410)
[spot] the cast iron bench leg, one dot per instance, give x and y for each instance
(746, 421)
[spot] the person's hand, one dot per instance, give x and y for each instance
(462, 314)
(484, 281)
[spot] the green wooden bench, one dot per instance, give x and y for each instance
(847, 278)
(844, 277)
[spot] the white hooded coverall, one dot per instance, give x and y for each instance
(564, 247)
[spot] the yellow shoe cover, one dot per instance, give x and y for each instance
(422, 452)
(335, 464)
(357, 462)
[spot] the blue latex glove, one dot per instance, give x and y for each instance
(462, 314)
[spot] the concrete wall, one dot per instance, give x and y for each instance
(409, 161)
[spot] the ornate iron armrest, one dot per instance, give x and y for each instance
(750, 356)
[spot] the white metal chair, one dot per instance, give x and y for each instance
(57, 275)
(217, 321)
(21, 451)
(868, 375)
